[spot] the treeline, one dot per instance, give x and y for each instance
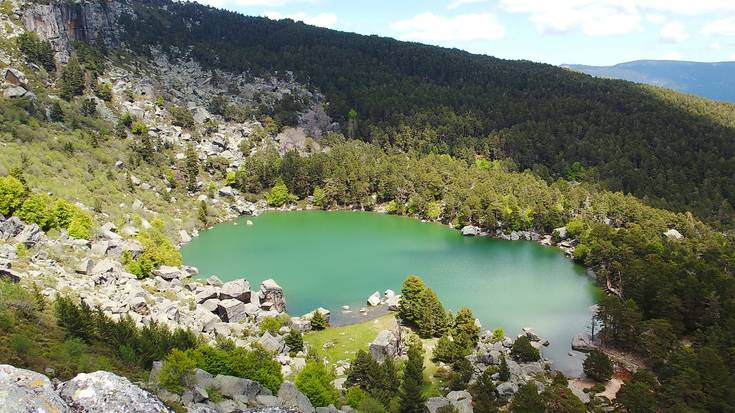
(674, 152)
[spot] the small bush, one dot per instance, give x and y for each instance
(523, 351)
(176, 371)
(315, 381)
(598, 366)
(181, 116)
(12, 195)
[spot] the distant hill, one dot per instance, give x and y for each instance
(710, 80)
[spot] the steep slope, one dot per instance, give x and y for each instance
(710, 80)
(415, 97)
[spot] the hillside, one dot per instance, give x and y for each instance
(709, 80)
(411, 96)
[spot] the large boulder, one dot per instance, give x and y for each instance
(385, 345)
(433, 404)
(506, 390)
(105, 392)
(25, 391)
(238, 290)
(30, 235)
(272, 293)
(294, 399)
(274, 344)
(11, 227)
(583, 342)
(207, 293)
(461, 401)
(232, 387)
(471, 231)
(374, 299)
(169, 273)
(231, 310)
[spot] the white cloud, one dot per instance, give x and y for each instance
(672, 56)
(722, 27)
(732, 57)
(656, 18)
(608, 17)
(459, 3)
(715, 46)
(673, 32)
(464, 27)
(322, 19)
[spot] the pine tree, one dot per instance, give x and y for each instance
(433, 317)
(598, 366)
(412, 400)
(203, 212)
(409, 309)
(445, 350)
(465, 331)
(483, 393)
(295, 341)
(71, 82)
(318, 321)
(361, 370)
(387, 383)
(192, 168)
(504, 373)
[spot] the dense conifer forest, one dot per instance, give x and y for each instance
(674, 151)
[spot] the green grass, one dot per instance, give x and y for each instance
(345, 341)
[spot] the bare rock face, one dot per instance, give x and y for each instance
(26, 391)
(272, 293)
(63, 22)
(104, 392)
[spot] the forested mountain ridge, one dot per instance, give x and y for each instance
(430, 99)
(712, 80)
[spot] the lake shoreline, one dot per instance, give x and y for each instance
(356, 317)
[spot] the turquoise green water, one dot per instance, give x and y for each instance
(331, 259)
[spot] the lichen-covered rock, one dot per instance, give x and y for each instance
(105, 392)
(231, 310)
(461, 401)
(25, 391)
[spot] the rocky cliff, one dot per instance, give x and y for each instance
(62, 23)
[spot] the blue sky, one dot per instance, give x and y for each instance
(596, 32)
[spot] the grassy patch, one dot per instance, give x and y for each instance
(342, 343)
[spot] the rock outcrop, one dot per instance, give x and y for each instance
(25, 391)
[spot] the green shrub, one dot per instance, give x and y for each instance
(139, 128)
(12, 195)
(176, 371)
(88, 107)
(279, 195)
(38, 209)
(354, 396)
(38, 51)
(295, 341)
(157, 250)
(21, 343)
(315, 381)
(270, 324)
(257, 365)
(523, 351)
(181, 116)
(598, 366)
(371, 405)
(103, 91)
